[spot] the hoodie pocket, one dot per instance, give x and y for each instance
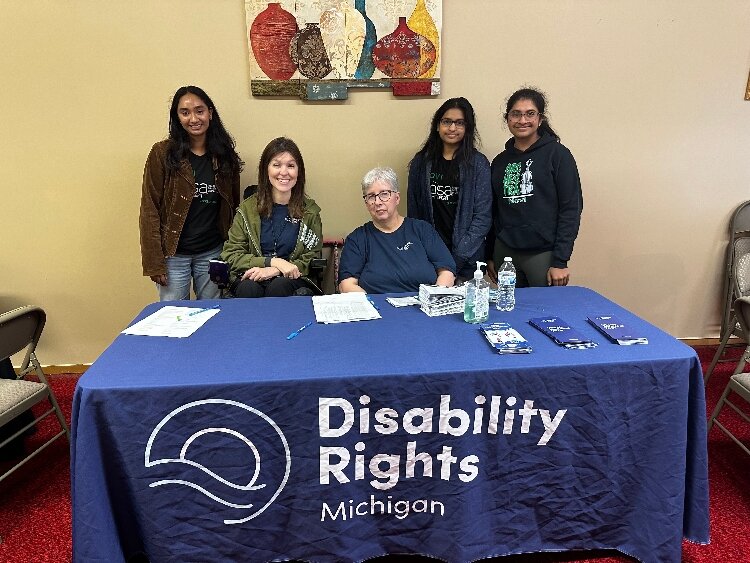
(526, 237)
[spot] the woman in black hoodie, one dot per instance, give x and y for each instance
(537, 195)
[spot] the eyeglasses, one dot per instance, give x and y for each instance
(516, 115)
(459, 123)
(383, 196)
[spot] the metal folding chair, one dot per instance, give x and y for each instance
(20, 330)
(736, 281)
(739, 382)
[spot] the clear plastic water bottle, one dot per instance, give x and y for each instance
(506, 286)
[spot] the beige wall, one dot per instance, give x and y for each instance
(647, 95)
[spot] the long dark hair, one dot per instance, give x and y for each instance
(433, 146)
(265, 190)
(219, 143)
(539, 100)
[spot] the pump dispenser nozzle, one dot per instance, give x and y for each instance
(478, 274)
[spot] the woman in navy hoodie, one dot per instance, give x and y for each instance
(449, 185)
(537, 193)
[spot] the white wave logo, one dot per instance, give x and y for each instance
(173, 427)
(405, 247)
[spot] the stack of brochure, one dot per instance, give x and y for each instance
(504, 338)
(436, 300)
(614, 329)
(403, 301)
(562, 333)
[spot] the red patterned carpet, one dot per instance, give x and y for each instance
(35, 502)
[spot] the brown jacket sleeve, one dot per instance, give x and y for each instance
(154, 178)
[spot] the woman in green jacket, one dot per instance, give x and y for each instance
(276, 232)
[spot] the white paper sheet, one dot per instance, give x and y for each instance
(343, 308)
(175, 322)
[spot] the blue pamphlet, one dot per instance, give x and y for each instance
(562, 333)
(617, 331)
(504, 338)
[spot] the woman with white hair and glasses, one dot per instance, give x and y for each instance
(391, 253)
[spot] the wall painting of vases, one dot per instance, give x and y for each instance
(318, 49)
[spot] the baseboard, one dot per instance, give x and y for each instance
(710, 341)
(66, 368)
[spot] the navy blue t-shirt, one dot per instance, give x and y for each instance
(394, 262)
(279, 233)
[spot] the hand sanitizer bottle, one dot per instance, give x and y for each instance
(477, 304)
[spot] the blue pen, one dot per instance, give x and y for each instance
(300, 329)
(373, 303)
(203, 310)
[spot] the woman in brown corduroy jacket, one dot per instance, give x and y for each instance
(191, 187)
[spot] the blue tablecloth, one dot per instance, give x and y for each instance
(400, 435)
